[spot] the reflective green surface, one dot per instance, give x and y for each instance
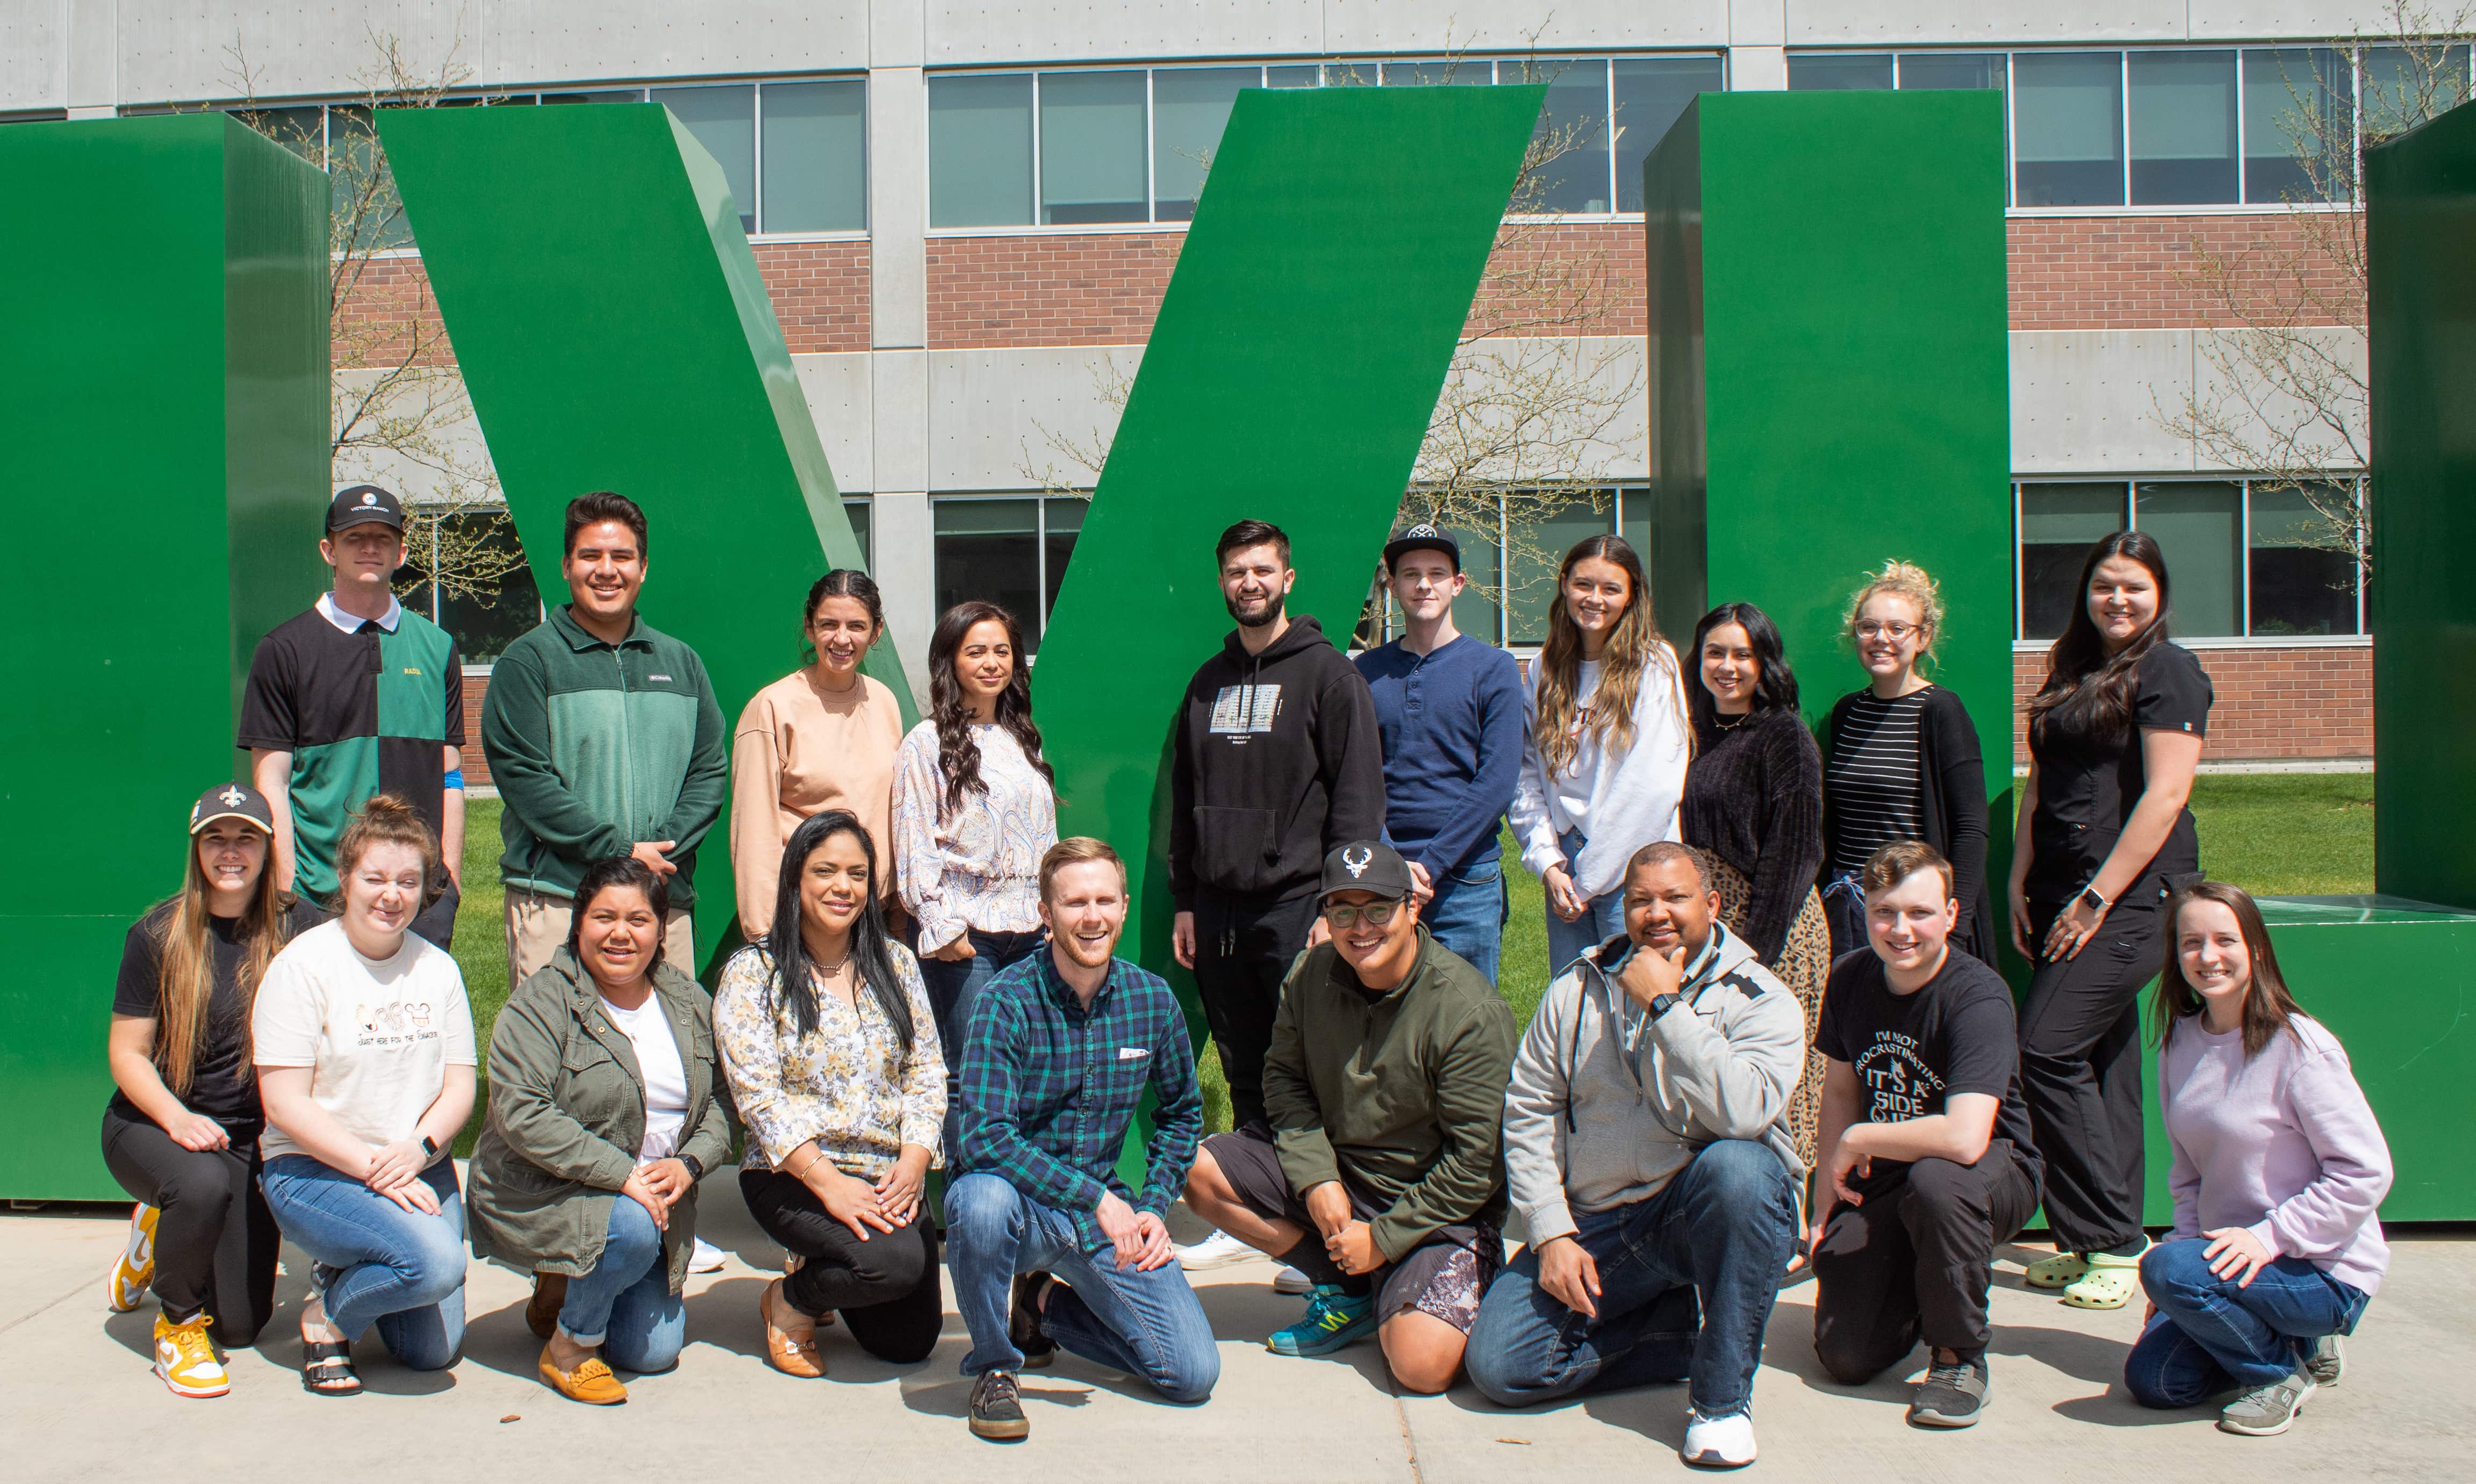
(614, 334)
(2421, 209)
(1290, 376)
(164, 361)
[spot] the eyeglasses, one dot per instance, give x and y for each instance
(1891, 629)
(1345, 916)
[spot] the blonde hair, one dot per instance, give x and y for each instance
(186, 983)
(1075, 851)
(1902, 580)
(387, 820)
(1634, 646)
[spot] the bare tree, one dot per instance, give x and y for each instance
(400, 414)
(2283, 392)
(1533, 412)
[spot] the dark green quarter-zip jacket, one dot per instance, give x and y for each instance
(1403, 1091)
(595, 747)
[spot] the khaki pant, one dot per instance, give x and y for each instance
(538, 924)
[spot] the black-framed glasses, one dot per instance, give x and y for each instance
(1345, 915)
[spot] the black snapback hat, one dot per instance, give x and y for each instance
(231, 801)
(361, 505)
(1423, 537)
(1367, 865)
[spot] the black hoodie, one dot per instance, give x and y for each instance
(1277, 762)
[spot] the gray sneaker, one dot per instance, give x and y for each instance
(2328, 1358)
(2266, 1411)
(1953, 1393)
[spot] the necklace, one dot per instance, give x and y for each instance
(1730, 726)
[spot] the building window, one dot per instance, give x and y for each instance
(2068, 122)
(1111, 145)
(1011, 551)
(724, 120)
(1840, 72)
(2183, 116)
(494, 604)
(2246, 558)
(861, 511)
(2298, 115)
(814, 140)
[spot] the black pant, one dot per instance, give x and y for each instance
(885, 1288)
(2080, 1070)
(435, 923)
(1242, 950)
(216, 1243)
(1915, 1260)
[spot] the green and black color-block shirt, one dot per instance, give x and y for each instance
(362, 712)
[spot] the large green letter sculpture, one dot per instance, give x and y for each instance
(207, 246)
(610, 324)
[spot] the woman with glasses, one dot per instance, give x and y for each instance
(1901, 762)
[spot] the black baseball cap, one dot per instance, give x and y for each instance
(1367, 865)
(361, 505)
(1423, 537)
(231, 801)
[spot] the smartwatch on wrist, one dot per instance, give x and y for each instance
(2096, 903)
(1661, 1004)
(696, 1167)
(429, 1148)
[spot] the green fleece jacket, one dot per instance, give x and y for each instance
(1401, 1092)
(595, 747)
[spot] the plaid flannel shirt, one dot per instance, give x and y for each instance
(1050, 1089)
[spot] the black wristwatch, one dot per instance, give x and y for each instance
(1661, 1004)
(428, 1149)
(696, 1167)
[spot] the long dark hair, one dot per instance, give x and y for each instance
(871, 947)
(1633, 647)
(625, 871)
(2268, 1008)
(1775, 683)
(840, 582)
(2083, 683)
(959, 757)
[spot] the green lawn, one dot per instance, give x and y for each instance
(2274, 834)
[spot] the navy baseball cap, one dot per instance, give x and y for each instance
(1367, 865)
(231, 801)
(1423, 537)
(361, 505)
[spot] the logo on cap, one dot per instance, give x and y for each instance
(1421, 530)
(369, 497)
(1358, 867)
(231, 797)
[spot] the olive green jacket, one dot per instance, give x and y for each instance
(567, 1114)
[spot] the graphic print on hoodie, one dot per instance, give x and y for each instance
(1277, 760)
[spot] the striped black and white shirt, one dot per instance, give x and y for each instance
(1875, 777)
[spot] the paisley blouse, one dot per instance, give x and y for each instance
(982, 867)
(849, 1085)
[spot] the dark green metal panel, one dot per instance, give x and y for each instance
(1829, 380)
(614, 333)
(164, 356)
(2420, 203)
(1290, 376)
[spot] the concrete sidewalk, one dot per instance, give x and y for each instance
(85, 1405)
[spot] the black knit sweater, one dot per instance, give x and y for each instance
(1753, 797)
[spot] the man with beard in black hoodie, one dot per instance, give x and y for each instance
(1277, 761)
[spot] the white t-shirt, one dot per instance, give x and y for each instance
(666, 1078)
(378, 1034)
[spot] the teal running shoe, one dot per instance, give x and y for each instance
(1335, 1320)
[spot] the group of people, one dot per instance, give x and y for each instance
(1774, 1039)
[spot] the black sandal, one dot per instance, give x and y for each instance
(326, 1363)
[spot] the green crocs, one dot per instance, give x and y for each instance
(2061, 1270)
(2110, 1281)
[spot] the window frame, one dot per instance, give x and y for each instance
(1041, 499)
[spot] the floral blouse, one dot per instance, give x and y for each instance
(981, 868)
(849, 1085)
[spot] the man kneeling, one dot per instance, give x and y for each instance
(1644, 1141)
(1926, 1155)
(1060, 1049)
(1385, 1088)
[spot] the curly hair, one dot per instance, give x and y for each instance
(1901, 579)
(959, 757)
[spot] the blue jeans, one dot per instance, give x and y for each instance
(953, 987)
(1601, 920)
(625, 1304)
(378, 1263)
(1844, 912)
(1148, 1325)
(1721, 1230)
(2211, 1336)
(1467, 914)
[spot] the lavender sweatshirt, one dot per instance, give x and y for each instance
(2284, 1144)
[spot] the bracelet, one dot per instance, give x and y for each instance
(802, 1170)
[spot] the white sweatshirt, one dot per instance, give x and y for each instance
(1620, 801)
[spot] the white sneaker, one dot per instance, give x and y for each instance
(1290, 1280)
(1220, 1250)
(1718, 1442)
(135, 1268)
(706, 1258)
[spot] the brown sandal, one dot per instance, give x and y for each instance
(793, 1352)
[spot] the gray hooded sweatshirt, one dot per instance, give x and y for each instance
(1608, 1105)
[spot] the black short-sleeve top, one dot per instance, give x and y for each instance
(2089, 783)
(223, 1085)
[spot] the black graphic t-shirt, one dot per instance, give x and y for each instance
(1911, 1051)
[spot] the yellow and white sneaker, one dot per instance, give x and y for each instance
(136, 1266)
(185, 1359)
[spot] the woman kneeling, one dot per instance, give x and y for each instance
(603, 1118)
